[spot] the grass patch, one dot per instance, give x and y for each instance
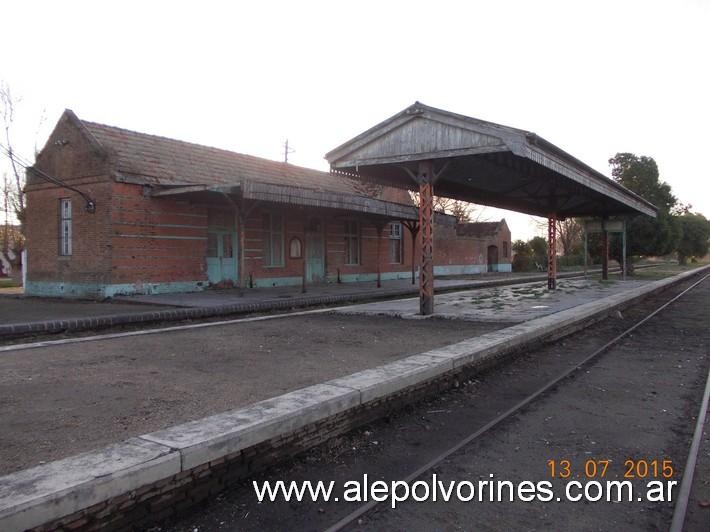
(666, 270)
(8, 283)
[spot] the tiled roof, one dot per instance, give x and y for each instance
(478, 229)
(155, 160)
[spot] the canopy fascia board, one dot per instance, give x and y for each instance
(302, 197)
(328, 200)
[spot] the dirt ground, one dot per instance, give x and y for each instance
(60, 400)
(637, 401)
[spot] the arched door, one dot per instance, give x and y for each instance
(492, 258)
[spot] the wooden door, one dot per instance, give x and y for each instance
(315, 252)
(492, 258)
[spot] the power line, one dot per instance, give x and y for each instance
(90, 203)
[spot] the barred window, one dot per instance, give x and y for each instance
(352, 242)
(505, 249)
(273, 239)
(396, 243)
(65, 227)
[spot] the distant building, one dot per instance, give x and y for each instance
(11, 246)
(474, 247)
(172, 216)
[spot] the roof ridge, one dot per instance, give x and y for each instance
(466, 118)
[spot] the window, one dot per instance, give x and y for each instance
(227, 248)
(273, 239)
(352, 242)
(396, 243)
(295, 248)
(65, 227)
(505, 249)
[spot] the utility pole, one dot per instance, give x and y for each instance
(287, 150)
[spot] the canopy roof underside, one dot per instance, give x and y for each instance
(483, 163)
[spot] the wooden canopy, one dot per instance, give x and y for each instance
(484, 163)
(473, 160)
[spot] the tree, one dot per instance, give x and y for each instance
(645, 235)
(522, 256)
(538, 245)
(520, 246)
(461, 210)
(695, 238)
(569, 234)
(530, 255)
(366, 187)
(13, 194)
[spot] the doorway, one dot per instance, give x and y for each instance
(315, 251)
(492, 258)
(221, 263)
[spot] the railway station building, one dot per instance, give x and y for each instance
(116, 212)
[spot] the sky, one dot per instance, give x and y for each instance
(594, 77)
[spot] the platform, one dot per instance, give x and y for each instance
(322, 384)
(506, 304)
(30, 315)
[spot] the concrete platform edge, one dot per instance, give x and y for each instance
(35, 496)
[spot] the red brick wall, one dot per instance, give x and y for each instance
(156, 240)
(334, 237)
(504, 236)
(368, 248)
(90, 261)
(450, 249)
(69, 157)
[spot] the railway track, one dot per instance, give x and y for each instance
(681, 502)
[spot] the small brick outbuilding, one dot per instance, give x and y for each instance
(171, 216)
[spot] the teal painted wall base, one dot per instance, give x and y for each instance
(102, 291)
(466, 269)
(364, 277)
(271, 282)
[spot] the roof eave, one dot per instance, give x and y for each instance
(582, 168)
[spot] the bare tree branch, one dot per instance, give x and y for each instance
(462, 210)
(15, 194)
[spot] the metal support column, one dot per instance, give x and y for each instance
(623, 250)
(586, 249)
(552, 251)
(425, 177)
(303, 258)
(605, 252)
(378, 229)
(413, 232)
